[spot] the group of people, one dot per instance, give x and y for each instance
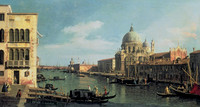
(96, 90)
(6, 89)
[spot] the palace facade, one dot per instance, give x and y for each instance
(18, 47)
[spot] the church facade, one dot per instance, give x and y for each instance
(133, 51)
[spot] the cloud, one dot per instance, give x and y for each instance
(188, 31)
(83, 29)
(79, 40)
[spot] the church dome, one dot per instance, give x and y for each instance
(131, 36)
(145, 44)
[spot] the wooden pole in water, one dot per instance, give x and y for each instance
(197, 74)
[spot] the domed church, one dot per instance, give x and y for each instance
(132, 51)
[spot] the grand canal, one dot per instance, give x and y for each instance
(127, 96)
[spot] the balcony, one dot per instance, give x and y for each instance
(19, 64)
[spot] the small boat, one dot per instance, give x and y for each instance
(41, 78)
(166, 95)
(138, 84)
(183, 93)
(80, 75)
(49, 86)
(87, 96)
(56, 78)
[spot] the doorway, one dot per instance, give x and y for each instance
(16, 77)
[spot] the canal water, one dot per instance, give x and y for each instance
(127, 96)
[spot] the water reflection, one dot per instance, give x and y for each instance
(126, 95)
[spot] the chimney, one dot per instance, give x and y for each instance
(193, 49)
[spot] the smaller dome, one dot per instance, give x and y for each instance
(145, 44)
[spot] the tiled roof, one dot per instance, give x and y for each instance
(195, 52)
(106, 59)
(160, 54)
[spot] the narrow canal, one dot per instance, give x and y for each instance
(127, 96)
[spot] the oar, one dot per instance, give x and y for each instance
(190, 76)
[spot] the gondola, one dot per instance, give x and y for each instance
(49, 86)
(87, 96)
(105, 97)
(183, 93)
(166, 95)
(56, 78)
(91, 101)
(138, 84)
(80, 75)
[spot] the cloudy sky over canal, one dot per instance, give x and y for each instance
(93, 29)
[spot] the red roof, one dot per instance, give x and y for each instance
(195, 52)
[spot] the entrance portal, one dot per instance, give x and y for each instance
(16, 77)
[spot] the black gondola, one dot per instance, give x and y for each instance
(166, 95)
(87, 96)
(56, 78)
(49, 86)
(138, 84)
(41, 78)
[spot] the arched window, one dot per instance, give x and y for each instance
(1, 35)
(16, 54)
(129, 49)
(11, 33)
(11, 54)
(21, 39)
(21, 54)
(1, 57)
(16, 35)
(26, 54)
(133, 49)
(27, 35)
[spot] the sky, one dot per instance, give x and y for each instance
(91, 30)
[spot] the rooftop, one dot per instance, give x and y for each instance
(195, 52)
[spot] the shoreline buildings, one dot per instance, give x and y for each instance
(137, 59)
(18, 47)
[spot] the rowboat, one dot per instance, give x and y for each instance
(166, 95)
(183, 93)
(138, 84)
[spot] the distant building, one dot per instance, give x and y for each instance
(195, 63)
(85, 68)
(132, 51)
(173, 54)
(106, 65)
(18, 47)
(165, 71)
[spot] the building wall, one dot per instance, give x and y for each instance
(195, 63)
(106, 65)
(160, 72)
(20, 21)
(85, 68)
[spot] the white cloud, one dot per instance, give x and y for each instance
(80, 32)
(83, 29)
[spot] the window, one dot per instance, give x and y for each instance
(1, 16)
(1, 57)
(16, 35)
(1, 73)
(26, 74)
(1, 35)
(16, 54)
(21, 54)
(26, 54)
(11, 54)
(21, 35)
(27, 35)
(11, 33)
